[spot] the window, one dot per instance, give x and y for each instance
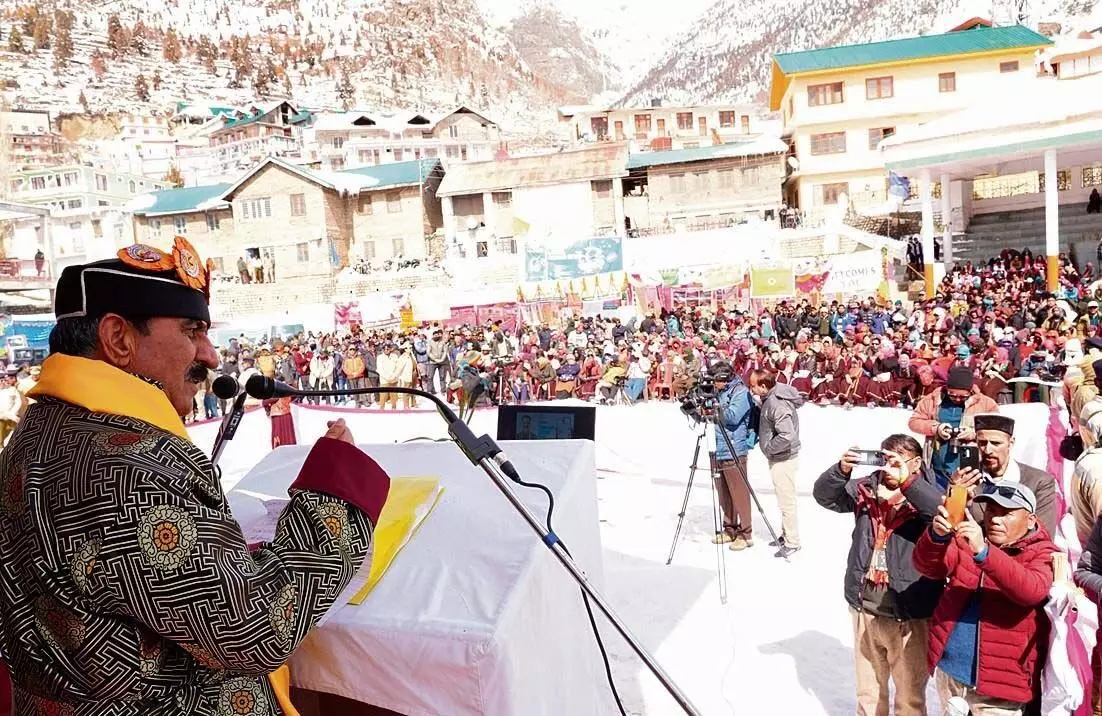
(677, 183)
(179, 224)
(338, 142)
(260, 208)
(75, 203)
(101, 182)
(833, 192)
(78, 238)
(213, 222)
(947, 82)
(298, 204)
(701, 181)
(133, 187)
(830, 143)
(642, 123)
(74, 226)
(750, 176)
(398, 155)
(364, 206)
(302, 253)
(702, 125)
(451, 152)
(399, 246)
(878, 134)
(503, 199)
(661, 128)
(453, 131)
(432, 153)
(1092, 176)
(70, 178)
(726, 178)
(685, 121)
(831, 93)
(603, 189)
(745, 124)
(727, 119)
(879, 88)
(394, 202)
(368, 250)
(38, 182)
(1005, 67)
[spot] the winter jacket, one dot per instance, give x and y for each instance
(913, 596)
(390, 370)
(779, 424)
(1014, 582)
(924, 419)
(734, 407)
(438, 352)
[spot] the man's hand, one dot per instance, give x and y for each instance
(972, 534)
(945, 431)
(848, 461)
(966, 477)
(966, 435)
(941, 525)
(339, 431)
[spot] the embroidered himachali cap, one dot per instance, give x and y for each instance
(142, 282)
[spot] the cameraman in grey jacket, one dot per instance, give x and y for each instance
(779, 440)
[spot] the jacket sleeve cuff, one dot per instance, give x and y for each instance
(982, 556)
(343, 471)
(938, 539)
(908, 482)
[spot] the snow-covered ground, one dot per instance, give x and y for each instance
(782, 644)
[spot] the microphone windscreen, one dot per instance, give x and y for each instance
(225, 387)
(260, 387)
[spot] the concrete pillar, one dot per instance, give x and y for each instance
(448, 212)
(927, 197)
(489, 214)
(947, 220)
(618, 205)
(1052, 221)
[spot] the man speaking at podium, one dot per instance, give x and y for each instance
(126, 586)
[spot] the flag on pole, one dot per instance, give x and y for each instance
(898, 186)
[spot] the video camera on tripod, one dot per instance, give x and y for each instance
(700, 401)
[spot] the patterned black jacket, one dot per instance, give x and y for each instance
(126, 586)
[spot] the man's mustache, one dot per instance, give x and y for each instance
(197, 373)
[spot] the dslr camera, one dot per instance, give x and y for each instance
(699, 402)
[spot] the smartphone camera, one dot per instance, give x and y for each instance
(970, 457)
(873, 458)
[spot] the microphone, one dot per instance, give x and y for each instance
(225, 387)
(262, 387)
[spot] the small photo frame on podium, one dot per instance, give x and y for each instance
(546, 422)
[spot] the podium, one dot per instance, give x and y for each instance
(475, 616)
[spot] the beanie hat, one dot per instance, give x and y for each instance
(960, 378)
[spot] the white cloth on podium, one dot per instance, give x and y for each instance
(475, 616)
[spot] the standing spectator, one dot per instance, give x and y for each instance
(390, 374)
(321, 372)
(269, 266)
(890, 602)
(438, 362)
(243, 270)
(779, 439)
(354, 371)
(736, 412)
(407, 372)
(942, 412)
(257, 268)
(989, 628)
(421, 359)
(39, 262)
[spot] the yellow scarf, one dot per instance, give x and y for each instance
(103, 388)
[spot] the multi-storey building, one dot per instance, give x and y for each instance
(838, 103)
(31, 140)
(310, 223)
(347, 140)
(658, 127)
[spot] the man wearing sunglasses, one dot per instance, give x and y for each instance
(890, 601)
(988, 650)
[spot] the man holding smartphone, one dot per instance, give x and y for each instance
(940, 417)
(994, 440)
(889, 600)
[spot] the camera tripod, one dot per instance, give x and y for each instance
(714, 427)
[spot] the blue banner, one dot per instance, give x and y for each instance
(587, 257)
(37, 332)
(898, 186)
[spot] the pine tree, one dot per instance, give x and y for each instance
(43, 26)
(288, 89)
(171, 48)
(345, 90)
(174, 177)
(156, 80)
(138, 37)
(83, 101)
(141, 88)
(63, 38)
(99, 65)
(115, 38)
(15, 40)
(260, 82)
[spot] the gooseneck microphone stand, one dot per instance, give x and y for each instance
(485, 453)
(227, 387)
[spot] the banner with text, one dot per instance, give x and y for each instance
(859, 272)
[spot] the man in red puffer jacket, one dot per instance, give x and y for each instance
(989, 631)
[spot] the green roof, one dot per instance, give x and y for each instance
(699, 154)
(181, 201)
(398, 173)
(980, 39)
(302, 116)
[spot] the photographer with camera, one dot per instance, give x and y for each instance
(729, 399)
(889, 600)
(939, 417)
